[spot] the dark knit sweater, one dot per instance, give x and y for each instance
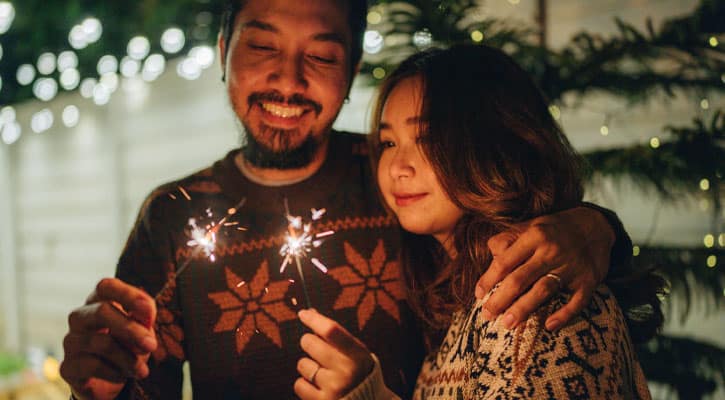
(234, 317)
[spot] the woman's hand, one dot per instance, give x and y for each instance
(337, 362)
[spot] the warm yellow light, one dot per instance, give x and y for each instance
(374, 17)
(704, 104)
(477, 36)
(51, 369)
(709, 240)
(713, 41)
(635, 251)
(721, 239)
(604, 130)
(704, 184)
(555, 112)
(379, 73)
(711, 261)
(654, 142)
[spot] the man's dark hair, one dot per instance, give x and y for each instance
(357, 20)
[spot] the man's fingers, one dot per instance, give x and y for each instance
(538, 294)
(107, 348)
(515, 284)
(570, 310)
(134, 301)
(505, 260)
(80, 369)
(93, 317)
(500, 242)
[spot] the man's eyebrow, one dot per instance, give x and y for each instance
(383, 125)
(330, 37)
(260, 25)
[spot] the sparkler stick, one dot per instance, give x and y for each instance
(299, 241)
(203, 239)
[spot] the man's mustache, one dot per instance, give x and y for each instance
(277, 97)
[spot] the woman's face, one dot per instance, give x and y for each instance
(407, 180)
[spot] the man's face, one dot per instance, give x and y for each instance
(287, 70)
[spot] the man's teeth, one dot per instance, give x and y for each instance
(281, 111)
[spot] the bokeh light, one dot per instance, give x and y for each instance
(173, 40)
(25, 74)
(70, 78)
(107, 64)
(67, 60)
(203, 55)
(45, 89)
(71, 116)
(41, 121)
(11, 132)
(138, 47)
(46, 63)
(87, 87)
(373, 42)
(130, 67)
(153, 67)
(7, 15)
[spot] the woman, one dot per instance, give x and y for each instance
(466, 148)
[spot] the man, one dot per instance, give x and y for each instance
(288, 66)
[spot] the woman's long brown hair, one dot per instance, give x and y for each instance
(498, 153)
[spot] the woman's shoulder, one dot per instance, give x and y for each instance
(591, 357)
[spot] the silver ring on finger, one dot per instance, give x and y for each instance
(555, 277)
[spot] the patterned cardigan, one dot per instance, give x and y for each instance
(591, 358)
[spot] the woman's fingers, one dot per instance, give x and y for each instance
(332, 332)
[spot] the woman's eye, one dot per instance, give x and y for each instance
(385, 144)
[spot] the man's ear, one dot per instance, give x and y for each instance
(221, 43)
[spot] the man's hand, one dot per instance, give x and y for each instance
(574, 245)
(110, 339)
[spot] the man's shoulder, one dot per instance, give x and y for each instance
(201, 183)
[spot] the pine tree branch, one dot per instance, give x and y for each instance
(692, 368)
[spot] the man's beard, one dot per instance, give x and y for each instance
(282, 155)
(285, 157)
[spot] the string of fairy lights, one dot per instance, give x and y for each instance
(140, 66)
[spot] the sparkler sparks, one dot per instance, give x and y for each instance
(300, 239)
(203, 239)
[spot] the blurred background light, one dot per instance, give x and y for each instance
(173, 40)
(138, 47)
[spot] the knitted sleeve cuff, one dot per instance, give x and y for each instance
(621, 254)
(372, 387)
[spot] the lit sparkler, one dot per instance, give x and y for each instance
(203, 239)
(300, 239)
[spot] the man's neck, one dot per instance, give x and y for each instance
(282, 177)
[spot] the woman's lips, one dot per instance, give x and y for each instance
(404, 199)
